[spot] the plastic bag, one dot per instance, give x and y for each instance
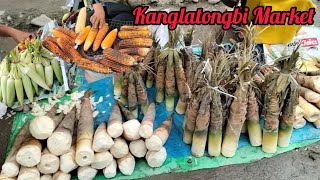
(309, 39)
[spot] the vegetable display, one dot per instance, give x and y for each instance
(26, 74)
(73, 145)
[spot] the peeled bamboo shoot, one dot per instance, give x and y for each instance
(156, 158)
(138, 148)
(102, 140)
(102, 160)
(126, 164)
(311, 113)
(86, 173)
(120, 148)
(111, 170)
(49, 163)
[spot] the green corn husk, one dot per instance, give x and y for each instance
(49, 75)
(57, 70)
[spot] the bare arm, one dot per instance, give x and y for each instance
(17, 35)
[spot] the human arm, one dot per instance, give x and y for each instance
(17, 35)
(99, 17)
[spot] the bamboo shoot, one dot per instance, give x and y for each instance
(29, 154)
(86, 173)
(155, 159)
(126, 164)
(102, 140)
(138, 148)
(29, 173)
(102, 160)
(49, 163)
(111, 170)
(120, 148)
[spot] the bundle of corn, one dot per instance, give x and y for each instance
(73, 146)
(135, 37)
(280, 103)
(62, 46)
(22, 74)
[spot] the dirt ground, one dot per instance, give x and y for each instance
(303, 163)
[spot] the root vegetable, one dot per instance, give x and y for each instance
(126, 164)
(138, 148)
(181, 84)
(49, 163)
(299, 112)
(29, 173)
(30, 153)
(61, 176)
(111, 170)
(141, 93)
(160, 135)
(61, 139)
(132, 94)
(288, 117)
(190, 120)
(252, 119)
(124, 89)
(10, 168)
(311, 113)
(46, 177)
(115, 128)
(160, 80)
(102, 140)
(84, 152)
(117, 81)
(215, 127)
(200, 134)
(150, 79)
(120, 148)
(67, 161)
(238, 110)
(102, 160)
(42, 127)
(317, 123)
(170, 83)
(86, 173)
(299, 123)
(126, 113)
(156, 158)
(309, 95)
(131, 130)
(146, 128)
(311, 82)
(270, 130)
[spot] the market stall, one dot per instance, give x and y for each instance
(144, 102)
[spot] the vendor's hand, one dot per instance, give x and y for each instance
(98, 17)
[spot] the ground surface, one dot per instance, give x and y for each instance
(303, 163)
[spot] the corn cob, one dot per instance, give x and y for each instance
(119, 57)
(63, 36)
(115, 66)
(40, 70)
(19, 90)
(49, 75)
(93, 66)
(55, 49)
(135, 51)
(83, 35)
(134, 34)
(91, 37)
(1, 98)
(69, 50)
(4, 80)
(81, 21)
(11, 92)
(68, 32)
(100, 36)
(57, 70)
(26, 69)
(136, 42)
(133, 28)
(27, 87)
(34, 84)
(109, 39)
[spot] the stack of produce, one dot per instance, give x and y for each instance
(56, 144)
(61, 45)
(26, 73)
(309, 100)
(211, 86)
(170, 75)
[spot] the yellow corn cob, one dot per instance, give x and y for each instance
(81, 21)
(136, 42)
(83, 35)
(68, 32)
(93, 66)
(133, 28)
(91, 37)
(134, 34)
(100, 36)
(119, 57)
(54, 48)
(63, 36)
